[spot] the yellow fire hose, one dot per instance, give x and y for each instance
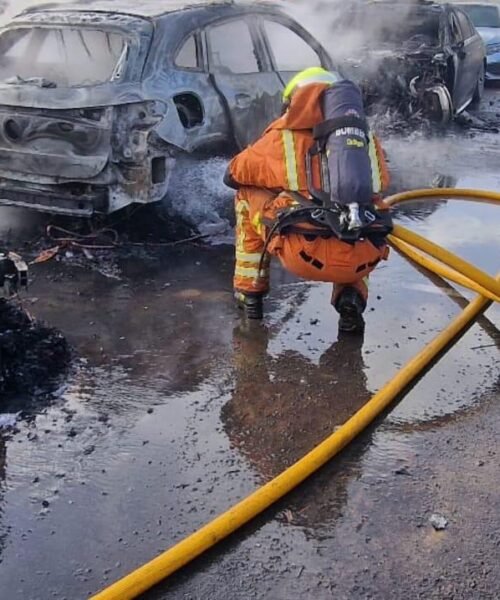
(442, 270)
(222, 526)
(441, 193)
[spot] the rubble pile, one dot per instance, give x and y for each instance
(32, 356)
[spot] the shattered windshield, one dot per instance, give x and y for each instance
(482, 16)
(60, 57)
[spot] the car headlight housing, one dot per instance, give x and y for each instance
(493, 48)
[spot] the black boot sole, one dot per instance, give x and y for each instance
(351, 321)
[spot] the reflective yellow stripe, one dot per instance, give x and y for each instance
(290, 160)
(244, 257)
(250, 273)
(376, 175)
(242, 209)
(257, 223)
(242, 206)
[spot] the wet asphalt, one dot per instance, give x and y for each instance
(175, 409)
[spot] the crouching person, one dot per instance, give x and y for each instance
(307, 193)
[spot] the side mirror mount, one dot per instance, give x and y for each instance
(459, 48)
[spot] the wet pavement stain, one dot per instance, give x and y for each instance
(176, 409)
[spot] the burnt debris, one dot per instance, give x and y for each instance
(32, 356)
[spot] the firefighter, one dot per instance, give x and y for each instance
(277, 214)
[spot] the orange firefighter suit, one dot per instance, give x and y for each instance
(264, 173)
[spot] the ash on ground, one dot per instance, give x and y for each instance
(33, 356)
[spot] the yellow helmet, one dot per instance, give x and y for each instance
(308, 76)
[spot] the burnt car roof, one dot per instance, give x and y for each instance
(146, 8)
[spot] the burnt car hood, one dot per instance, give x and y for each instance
(368, 61)
(383, 51)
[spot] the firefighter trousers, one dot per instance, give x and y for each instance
(309, 256)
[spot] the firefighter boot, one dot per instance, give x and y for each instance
(252, 304)
(350, 305)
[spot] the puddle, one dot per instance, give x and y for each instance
(177, 410)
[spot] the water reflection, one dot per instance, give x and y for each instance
(442, 286)
(486, 341)
(160, 328)
(466, 227)
(283, 406)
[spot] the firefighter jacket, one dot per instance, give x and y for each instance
(277, 161)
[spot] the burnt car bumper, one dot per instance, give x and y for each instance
(82, 161)
(53, 199)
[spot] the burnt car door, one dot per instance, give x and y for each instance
(202, 123)
(292, 49)
(240, 70)
(467, 58)
(475, 52)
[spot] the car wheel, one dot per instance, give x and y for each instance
(438, 105)
(479, 91)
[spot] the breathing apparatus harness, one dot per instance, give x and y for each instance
(326, 216)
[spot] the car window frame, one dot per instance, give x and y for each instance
(135, 50)
(297, 30)
(257, 24)
(452, 17)
(200, 53)
(250, 22)
(472, 30)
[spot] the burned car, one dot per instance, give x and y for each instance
(420, 58)
(99, 99)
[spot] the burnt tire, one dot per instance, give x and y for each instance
(438, 105)
(479, 89)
